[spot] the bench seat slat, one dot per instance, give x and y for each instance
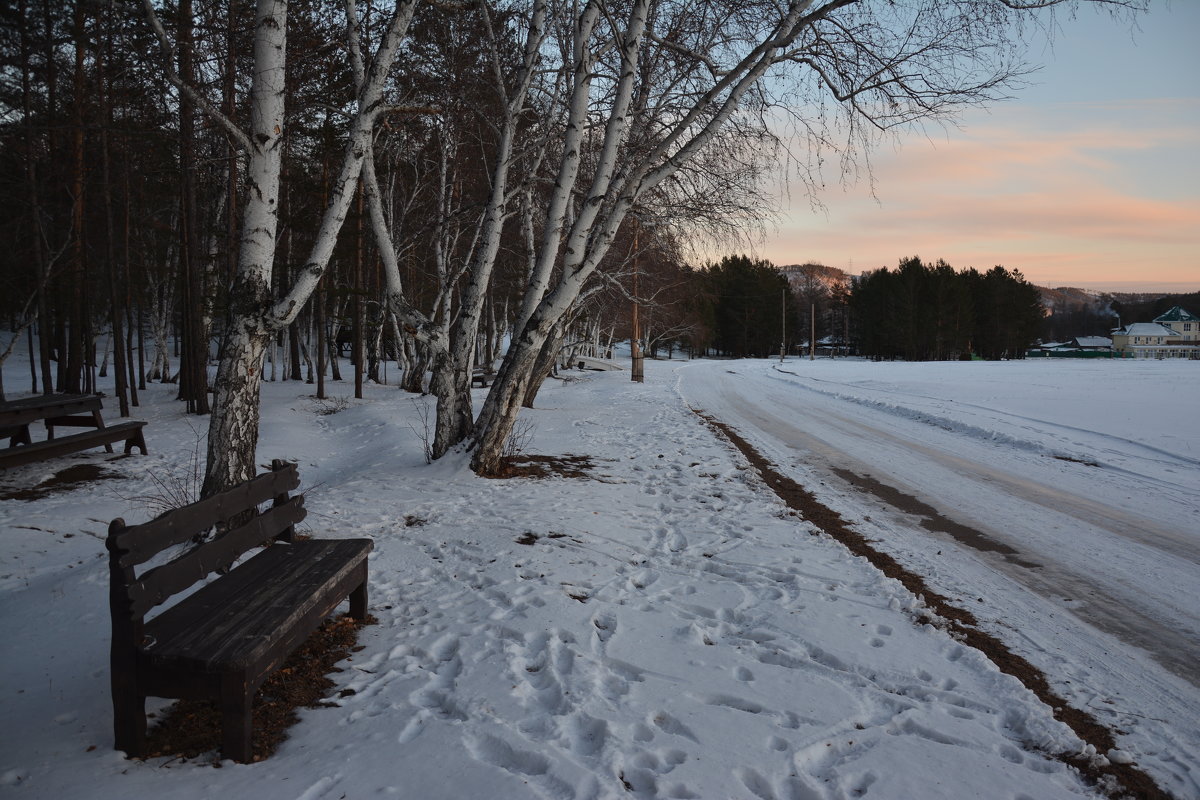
(234, 622)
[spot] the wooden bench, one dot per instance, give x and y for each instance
(128, 432)
(482, 378)
(61, 410)
(222, 641)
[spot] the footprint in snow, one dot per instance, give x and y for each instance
(586, 735)
(499, 753)
(734, 702)
(667, 724)
(605, 625)
(757, 784)
(642, 578)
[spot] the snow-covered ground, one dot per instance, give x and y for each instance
(673, 630)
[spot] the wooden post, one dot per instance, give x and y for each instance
(812, 335)
(782, 323)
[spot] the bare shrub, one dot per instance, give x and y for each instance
(519, 440)
(177, 484)
(330, 405)
(425, 431)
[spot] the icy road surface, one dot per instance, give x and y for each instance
(1065, 495)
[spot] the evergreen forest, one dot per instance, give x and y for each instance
(924, 312)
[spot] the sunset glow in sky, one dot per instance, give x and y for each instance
(1090, 177)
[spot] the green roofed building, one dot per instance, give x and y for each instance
(1182, 321)
(1175, 334)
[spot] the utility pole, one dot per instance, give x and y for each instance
(782, 323)
(812, 335)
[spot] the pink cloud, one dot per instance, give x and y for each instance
(1096, 200)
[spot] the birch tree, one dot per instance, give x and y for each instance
(451, 342)
(668, 84)
(254, 315)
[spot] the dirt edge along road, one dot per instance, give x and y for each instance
(1116, 780)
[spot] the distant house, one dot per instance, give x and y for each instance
(1101, 344)
(1175, 334)
(1079, 347)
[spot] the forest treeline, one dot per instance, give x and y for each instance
(217, 193)
(923, 312)
(917, 311)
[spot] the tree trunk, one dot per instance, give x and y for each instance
(116, 294)
(414, 372)
(193, 361)
(357, 292)
(451, 385)
(322, 353)
(499, 413)
(73, 363)
(544, 366)
(233, 431)
(294, 352)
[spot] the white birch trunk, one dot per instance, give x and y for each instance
(568, 170)
(605, 208)
(450, 345)
(233, 431)
(452, 377)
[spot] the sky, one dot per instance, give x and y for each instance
(1089, 177)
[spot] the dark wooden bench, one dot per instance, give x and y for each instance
(128, 432)
(222, 641)
(482, 378)
(61, 410)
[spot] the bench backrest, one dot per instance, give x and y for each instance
(233, 514)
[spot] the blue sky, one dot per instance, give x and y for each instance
(1089, 177)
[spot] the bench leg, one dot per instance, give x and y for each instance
(237, 701)
(358, 601)
(17, 434)
(99, 421)
(137, 440)
(129, 721)
(129, 704)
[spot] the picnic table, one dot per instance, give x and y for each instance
(61, 410)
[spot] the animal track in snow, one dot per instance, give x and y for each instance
(670, 725)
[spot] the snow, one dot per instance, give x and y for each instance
(674, 630)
